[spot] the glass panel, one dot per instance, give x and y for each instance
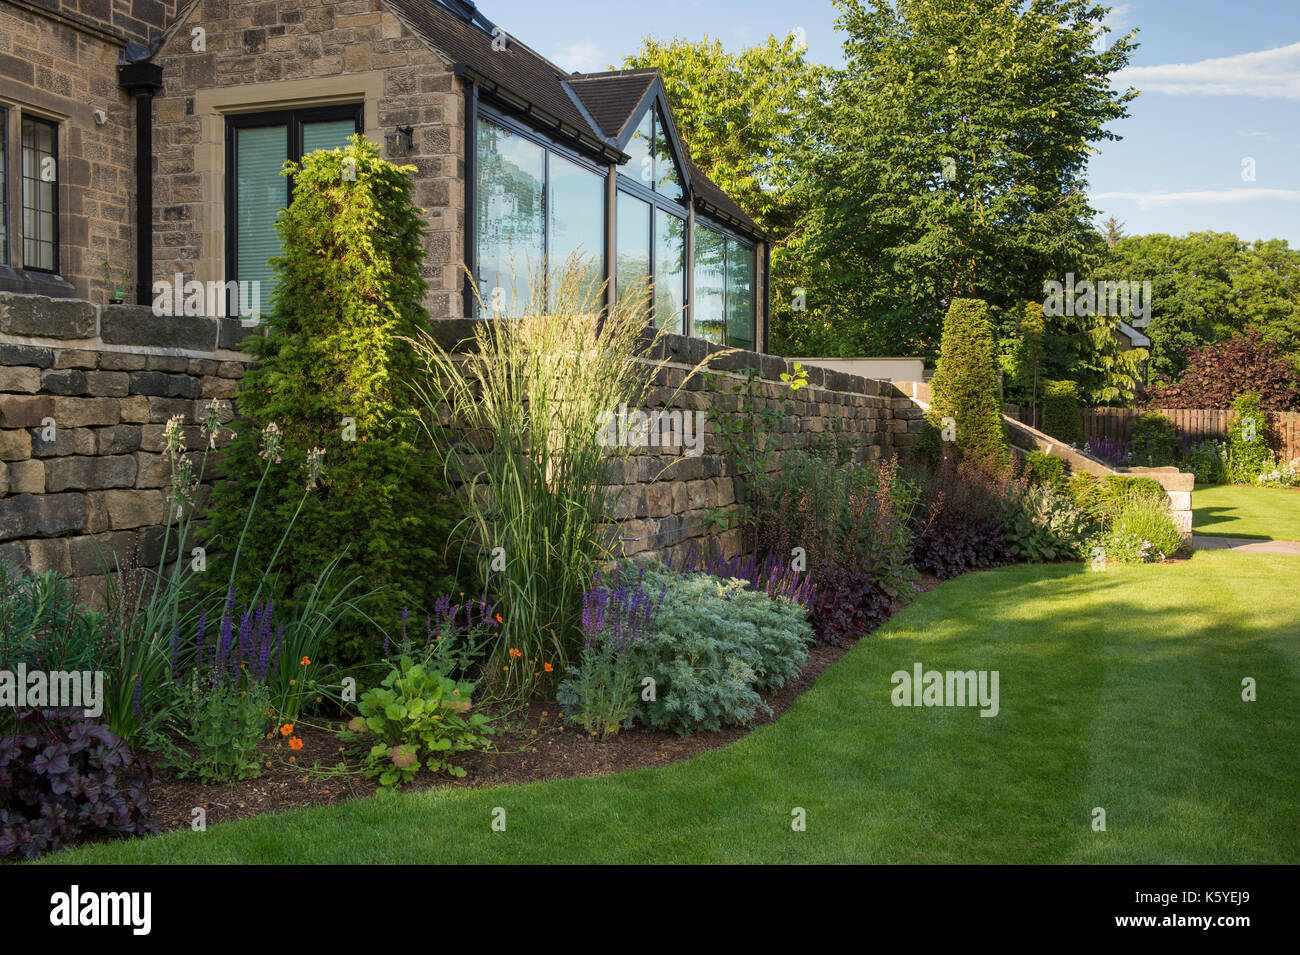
(633, 249)
(508, 216)
(4, 187)
(39, 196)
(331, 134)
(262, 193)
(740, 295)
(670, 270)
(576, 218)
(708, 307)
(640, 168)
(669, 182)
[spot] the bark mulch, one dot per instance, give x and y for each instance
(534, 746)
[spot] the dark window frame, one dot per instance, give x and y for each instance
(485, 112)
(293, 120)
(4, 185)
(24, 118)
(756, 273)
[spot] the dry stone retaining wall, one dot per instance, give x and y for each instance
(110, 377)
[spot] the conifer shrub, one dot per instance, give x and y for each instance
(1061, 418)
(333, 374)
(1249, 454)
(965, 388)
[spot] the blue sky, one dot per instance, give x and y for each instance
(1220, 83)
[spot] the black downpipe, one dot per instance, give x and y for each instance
(143, 80)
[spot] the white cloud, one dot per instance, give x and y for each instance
(583, 56)
(1255, 134)
(1146, 200)
(1272, 74)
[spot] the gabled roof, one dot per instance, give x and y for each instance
(613, 98)
(597, 109)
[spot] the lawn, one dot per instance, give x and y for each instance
(1119, 689)
(1266, 513)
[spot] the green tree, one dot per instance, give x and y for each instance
(331, 373)
(749, 120)
(965, 386)
(957, 141)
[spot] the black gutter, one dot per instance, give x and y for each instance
(528, 109)
(143, 80)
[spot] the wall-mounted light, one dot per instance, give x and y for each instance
(400, 141)
(101, 117)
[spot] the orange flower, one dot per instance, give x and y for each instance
(295, 743)
(516, 652)
(499, 618)
(547, 667)
(304, 662)
(286, 729)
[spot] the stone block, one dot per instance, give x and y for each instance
(36, 315)
(20, 380)
(89, 473)
(25, 411)
(15, 444)
(27, 477)
(84, 412)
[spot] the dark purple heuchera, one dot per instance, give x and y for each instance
(63, 777)
(621, 613)
(771, 575)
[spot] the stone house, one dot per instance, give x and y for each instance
(143, 140)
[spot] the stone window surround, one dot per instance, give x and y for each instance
(12, 273)
(213, 105)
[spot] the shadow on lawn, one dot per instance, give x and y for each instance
(1209, 514)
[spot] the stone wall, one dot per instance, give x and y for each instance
(663, 498)
(262, 56)
(57, 71)
(98, 489)
(95, 487)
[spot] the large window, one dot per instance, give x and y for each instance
(724, 288)
(257, 147)
(670, 271)
(40, 194)
(652, 163)
(536, 209)
(633, 241)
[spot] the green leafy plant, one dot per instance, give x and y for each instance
(1154, 442)
(1061, 417)
(965, 386)
(713, 646)
(222, 724)
(1100, 499)
(1208, 460)
(1045, 470)
(1248, 452)
(530, 403)
(749, 436)
(333, 374)
(416, 718)
(1141, 531)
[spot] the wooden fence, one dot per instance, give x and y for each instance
(1115, 424)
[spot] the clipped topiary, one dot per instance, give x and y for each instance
(1045, 470)
(1061, 418)
(1249, 455)
(965, 388)
(333, 373)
